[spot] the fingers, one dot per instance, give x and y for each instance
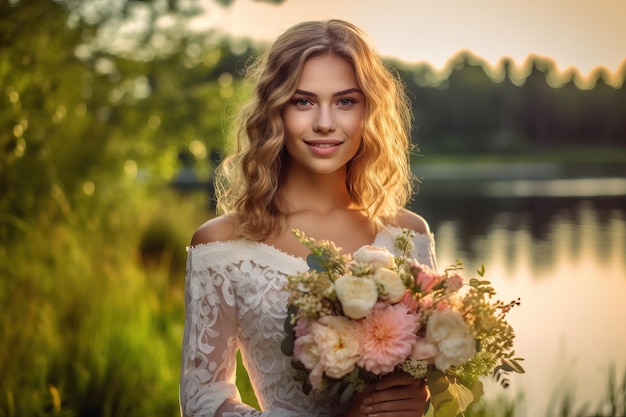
(398, 395)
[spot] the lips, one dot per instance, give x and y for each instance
(323, 143)
(323, 148)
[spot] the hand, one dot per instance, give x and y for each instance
(397, 395)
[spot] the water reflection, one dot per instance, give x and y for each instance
(564, 256)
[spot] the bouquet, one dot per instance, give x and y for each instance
(354, 318)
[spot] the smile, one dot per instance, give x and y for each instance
(324, 144)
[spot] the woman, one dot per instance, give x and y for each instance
(323, 147)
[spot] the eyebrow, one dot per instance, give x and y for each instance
(338, 93)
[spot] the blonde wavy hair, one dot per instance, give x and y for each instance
(378, 177)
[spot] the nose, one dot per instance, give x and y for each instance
(324, 122)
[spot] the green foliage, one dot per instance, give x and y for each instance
(87, 328)
(76, 121)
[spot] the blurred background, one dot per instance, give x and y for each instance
(114, 114)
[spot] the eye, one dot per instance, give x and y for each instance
(345, 101)
(302, 102)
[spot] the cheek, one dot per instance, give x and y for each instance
(294, 122)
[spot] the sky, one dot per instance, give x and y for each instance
(583, 34)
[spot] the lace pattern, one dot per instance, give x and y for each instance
(234, 300)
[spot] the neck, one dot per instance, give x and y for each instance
(320, 193)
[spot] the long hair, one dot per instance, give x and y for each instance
(378, 177)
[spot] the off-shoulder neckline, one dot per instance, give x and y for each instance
(387, 230)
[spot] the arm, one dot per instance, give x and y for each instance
(212, 330)
(209, 343)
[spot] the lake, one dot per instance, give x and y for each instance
(556, 238)
(558, 243)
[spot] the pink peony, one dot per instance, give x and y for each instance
(426, 278)
(454, 282)
(386, 337)
(329, 347)
(410, 302)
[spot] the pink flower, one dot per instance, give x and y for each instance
(424, 350)
(443, 305)
(426, 303)
(386, 337)
(426, 278)
(410, 302)
(302, 327)
(454, 282)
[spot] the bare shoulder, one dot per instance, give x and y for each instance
(408, 220)
(218, 229)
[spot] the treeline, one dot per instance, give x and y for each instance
(475, 109)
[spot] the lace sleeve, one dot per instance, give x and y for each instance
(207, 385)
(210, 340)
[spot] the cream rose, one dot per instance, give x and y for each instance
(448, 330)
(394, 288)
(330, 347)
(356, 295)
(374, 256)
(339, 344)
(455, 350)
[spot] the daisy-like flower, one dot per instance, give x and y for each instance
(386, 336)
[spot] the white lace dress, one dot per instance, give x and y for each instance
(234, 300)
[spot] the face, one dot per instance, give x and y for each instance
(324, 118)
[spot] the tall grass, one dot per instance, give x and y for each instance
(91, 320)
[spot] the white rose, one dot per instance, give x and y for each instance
(374, 256)
(454, 340)
(455, 350)
(392, 283)
(356, 295)
(442, 323)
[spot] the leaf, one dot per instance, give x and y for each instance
(347, 394)
(516, 366)
(288, 325)
(315, 263)
(444, 405)
(454, 400)
(429, 410)
(287, 345)
(462, 395)
(477, 391)
(334, 389)
(481, 271)
(437, 381)
(307, 387)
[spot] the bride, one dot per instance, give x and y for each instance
(323, 147)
